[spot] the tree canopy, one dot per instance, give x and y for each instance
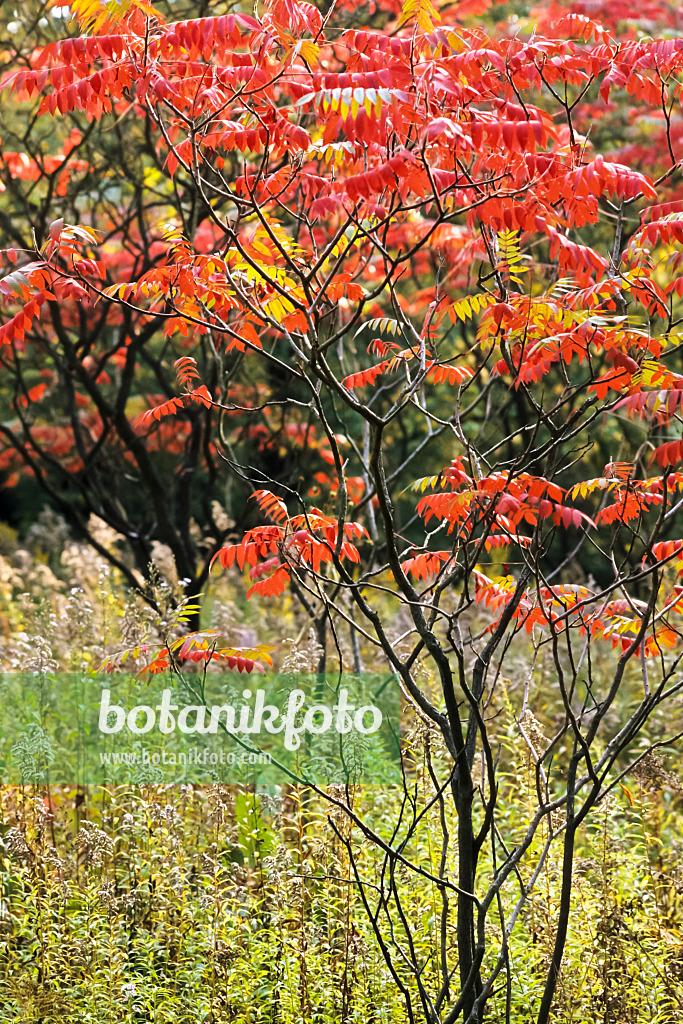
(388, 318)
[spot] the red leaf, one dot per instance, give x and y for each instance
(203, 395)
(668, 454)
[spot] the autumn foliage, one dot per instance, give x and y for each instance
(405, 288)
(366, 159)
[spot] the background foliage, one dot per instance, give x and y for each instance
(233, 905)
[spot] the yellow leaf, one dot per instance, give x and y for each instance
(424, 13)
(628, 794)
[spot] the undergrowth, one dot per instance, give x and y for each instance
(217, 904)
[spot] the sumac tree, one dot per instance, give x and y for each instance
(400, 252)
